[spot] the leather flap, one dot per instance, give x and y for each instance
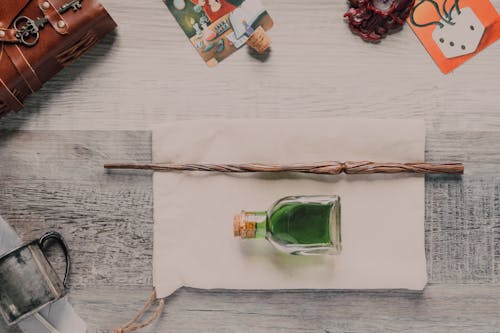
(9, 10)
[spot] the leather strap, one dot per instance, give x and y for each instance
(52, 14)
(9, 10)
(13, 103)
(24, 68)
(8, 35)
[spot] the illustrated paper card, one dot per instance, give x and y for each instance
(454, 31)
(217, 28)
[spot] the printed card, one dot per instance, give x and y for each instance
(454, 31)
(218, 28)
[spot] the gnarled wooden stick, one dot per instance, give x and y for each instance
(328, 168)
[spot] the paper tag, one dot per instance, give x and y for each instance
(462, 37)
(218, 28)
(454, 31)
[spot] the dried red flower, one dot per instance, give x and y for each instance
(374, 19)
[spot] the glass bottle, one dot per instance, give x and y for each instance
(303, 225)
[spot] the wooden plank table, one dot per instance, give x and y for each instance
(101, 108)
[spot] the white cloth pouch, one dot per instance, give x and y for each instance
(382, 215)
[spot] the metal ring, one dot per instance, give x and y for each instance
(23, 33)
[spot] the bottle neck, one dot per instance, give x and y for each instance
(250, 224)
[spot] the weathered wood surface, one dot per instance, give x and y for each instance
(100, 109)
(148, 72)
(440, 308)
(55, 180)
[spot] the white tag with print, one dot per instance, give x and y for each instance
(462, 37)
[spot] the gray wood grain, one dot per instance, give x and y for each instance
(439, 308)
(101, 108)
(106, 217)
(55, 179)
(147, 72)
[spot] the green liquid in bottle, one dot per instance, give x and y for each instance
(301, 223)
(296, 225)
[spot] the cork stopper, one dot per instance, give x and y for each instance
(259, 41)
(242, 228)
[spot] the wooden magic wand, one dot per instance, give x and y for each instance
(323, 168)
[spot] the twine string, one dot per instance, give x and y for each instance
(135, 324)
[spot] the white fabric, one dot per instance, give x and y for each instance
(382, 215)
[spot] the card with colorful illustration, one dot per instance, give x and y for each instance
(218, 28)
(454, 31)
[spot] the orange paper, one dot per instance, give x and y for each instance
(427, 12)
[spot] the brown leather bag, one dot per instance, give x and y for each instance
(38, 38)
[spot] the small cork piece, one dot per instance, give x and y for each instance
(242, 228)
(259, 41)
(212, 62)
(236, 225)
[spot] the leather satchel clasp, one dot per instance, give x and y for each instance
(25, 30)
(65, 29)
(52, 14)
